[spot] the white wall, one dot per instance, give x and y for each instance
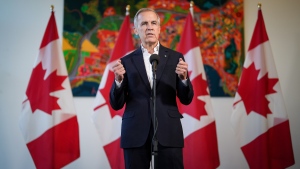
(22, 25)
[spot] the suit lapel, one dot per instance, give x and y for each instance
(163, 57)
(140, 65)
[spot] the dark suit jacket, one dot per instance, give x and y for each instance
(135, 92)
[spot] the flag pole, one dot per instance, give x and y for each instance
(192, 8)
(52, 8)
(127, 10)
(259, 6)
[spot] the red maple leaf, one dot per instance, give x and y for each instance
(196, 108)
(38, 90)
(105, 93)
(253, 92)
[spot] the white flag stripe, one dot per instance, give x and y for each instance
(48, 119)
(240, 119)
(193, 59)
(259, 55)
(105, 77)
(105, 74)
(43, 120)
(102, 116)
(276, 104)
(38, 118)
(112, 129)
(52, 58)
(190, 124)
(244, 127)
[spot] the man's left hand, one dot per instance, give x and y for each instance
(182, 69)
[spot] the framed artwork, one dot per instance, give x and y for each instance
(91, 27)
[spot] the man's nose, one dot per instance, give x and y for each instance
(149, 26)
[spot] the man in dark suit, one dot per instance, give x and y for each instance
(133, 87)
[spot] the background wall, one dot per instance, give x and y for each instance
(22, 25)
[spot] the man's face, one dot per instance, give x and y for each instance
(148, 27)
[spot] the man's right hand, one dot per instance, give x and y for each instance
(119, 71)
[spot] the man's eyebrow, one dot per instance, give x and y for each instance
(144, 22)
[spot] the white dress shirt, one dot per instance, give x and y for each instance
(148, 66)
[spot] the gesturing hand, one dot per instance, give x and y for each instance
(182, 69)
(119, 71)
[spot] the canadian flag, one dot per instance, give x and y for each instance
(48, 119)
(199, 127)
(107, 120)
(259, 116)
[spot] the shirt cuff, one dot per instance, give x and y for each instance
(184, 82)
(118, 84)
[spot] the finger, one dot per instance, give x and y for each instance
(181, 62)
(116, 65)
(116, 68)
(118, 62)
(179, 70)
(182, 66)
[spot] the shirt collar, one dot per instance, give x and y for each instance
(155, 48)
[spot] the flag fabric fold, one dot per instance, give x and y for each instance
(259, 116)
(199, 126)
(107, 120)
(48, 119)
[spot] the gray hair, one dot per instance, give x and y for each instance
(144, 10)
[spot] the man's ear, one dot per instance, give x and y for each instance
(135, 31)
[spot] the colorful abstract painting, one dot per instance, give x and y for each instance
(91, 27)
